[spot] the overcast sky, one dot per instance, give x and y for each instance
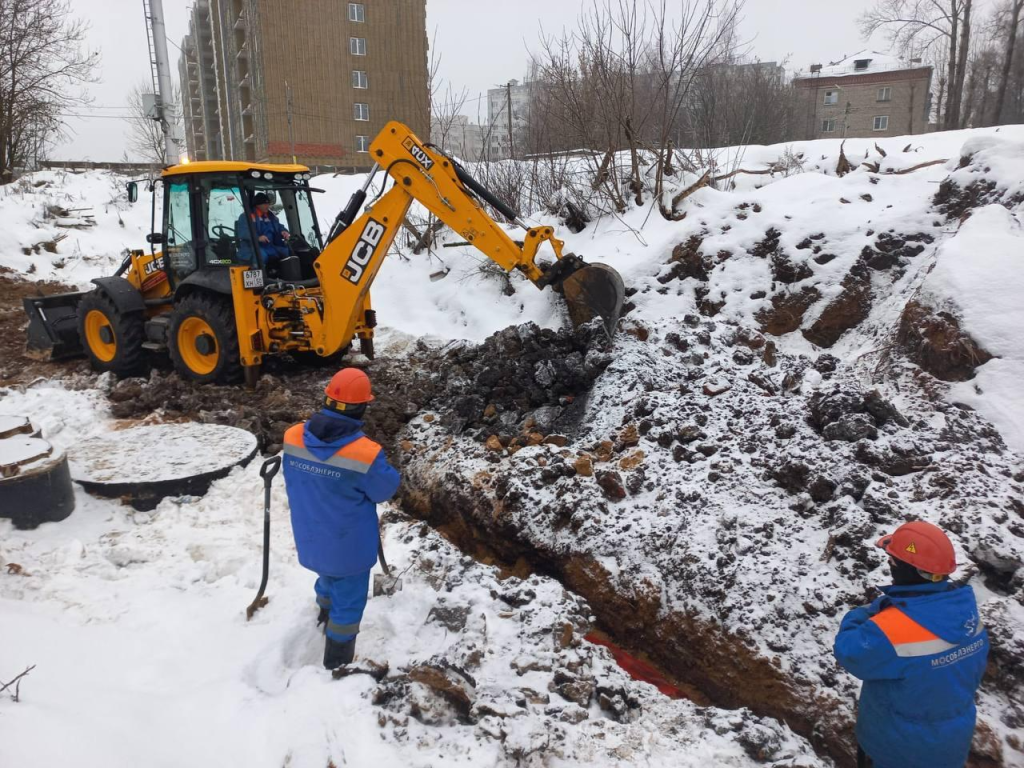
(481, 43)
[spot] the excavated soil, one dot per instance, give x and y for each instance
(935, 341)
(546, 496)
(704, 395)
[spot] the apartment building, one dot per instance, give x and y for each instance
(864, 95)
(459, 137)
(520, 96)
(316, 80)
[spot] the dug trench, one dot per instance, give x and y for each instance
(617, 474)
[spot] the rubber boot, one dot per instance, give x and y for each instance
(337, 654)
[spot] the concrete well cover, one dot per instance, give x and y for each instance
(14, 425)
(20, 451)
(144, 464)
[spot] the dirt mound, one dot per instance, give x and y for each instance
(277, 402)
(971, 186)
(787, 311)
(848, 310)
(935, 341)
(521, 378)
(703, 478)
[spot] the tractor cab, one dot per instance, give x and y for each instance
(210, 222)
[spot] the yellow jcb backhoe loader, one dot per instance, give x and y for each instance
(211, 300)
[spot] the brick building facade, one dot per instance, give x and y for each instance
(866, 95)
(262, 80)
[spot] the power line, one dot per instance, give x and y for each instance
(103, 117)
(96, 106)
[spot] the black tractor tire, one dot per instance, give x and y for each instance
(219, 360)
(117, 336)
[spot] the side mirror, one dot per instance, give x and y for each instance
(133, 191)
(155, 238)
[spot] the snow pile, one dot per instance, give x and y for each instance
(717, 493)
(41, 243)
(995, 160)
(979, 278)
(876, 62)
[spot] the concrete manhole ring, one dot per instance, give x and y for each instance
(145, 464)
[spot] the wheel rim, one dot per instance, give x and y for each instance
(194, 335)
(97, 326)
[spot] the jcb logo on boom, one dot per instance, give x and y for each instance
(154, 266)
(363, 252)
(418, 152)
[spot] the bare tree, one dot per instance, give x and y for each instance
(145, 134)
(42, 59)
(1013, 12)
(620, 81)
(739, 102)
(917, 28)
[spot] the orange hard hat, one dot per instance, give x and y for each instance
(349, 385)
(922, 545)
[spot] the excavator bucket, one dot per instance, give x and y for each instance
(596, 290)
(53, 325)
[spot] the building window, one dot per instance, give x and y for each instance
(356, 12)
(828, 126)
(831, 97)
(884, 94)
(858, 65)
(882, 123)
(357, 46)
(362, 143)
(362, 111)
(359, 79)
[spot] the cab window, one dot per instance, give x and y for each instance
(181, 258)
(228, 235)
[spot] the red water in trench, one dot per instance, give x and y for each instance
(641, 670)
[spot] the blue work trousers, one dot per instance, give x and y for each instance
(345, 600)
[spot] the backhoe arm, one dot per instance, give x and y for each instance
(445, 189)
(357, 247)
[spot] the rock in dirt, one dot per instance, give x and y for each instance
(851, 427)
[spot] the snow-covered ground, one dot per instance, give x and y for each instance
(136, 620)
(136, 625)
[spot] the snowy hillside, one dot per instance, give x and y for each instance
(806, 360)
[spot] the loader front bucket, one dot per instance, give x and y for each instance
(596, 290)
(53, 325)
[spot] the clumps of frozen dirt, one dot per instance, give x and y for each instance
(517, 676)
(277, 402)
(934, 340)
(523, 377)
(726, 494)
(989, 171)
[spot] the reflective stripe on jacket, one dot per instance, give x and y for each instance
(921, 651)
(334, 486)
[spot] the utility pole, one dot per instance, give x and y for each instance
(161, 65)
(288, 107)
(154, 10)
(508, 108)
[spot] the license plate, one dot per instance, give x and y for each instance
(252, 278)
